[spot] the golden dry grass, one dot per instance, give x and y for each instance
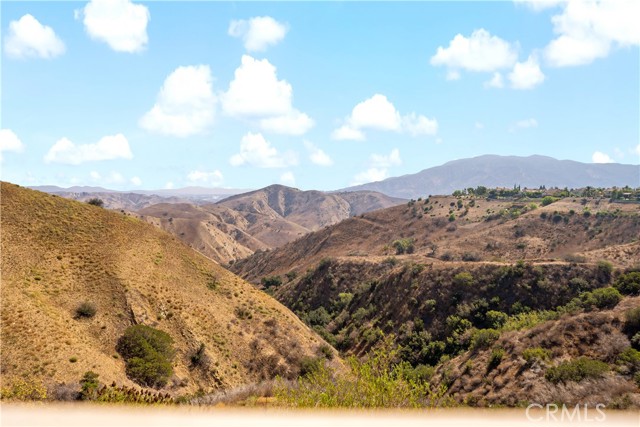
(58, 253)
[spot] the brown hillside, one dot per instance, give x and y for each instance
(488, 231)
(57, 254)
(514, 381)
(273, 216)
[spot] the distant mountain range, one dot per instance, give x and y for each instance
(505, 171)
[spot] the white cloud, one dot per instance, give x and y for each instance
(257, 151)
(258, 33)
(415, 125)
(496, 81)
(479, 125)
(115, 178)
(287, 178)
(256, 93)
(346, 132)
(27, 37)
(9, 141)
(294, 123)
(524, 124)
(169, 185)
(317, 156)
(637, 149)
(587, 30)
(378, 113)
(479, 52)
(119, 23)
(378, 169)
(135, 180)
(599, 157)
(185, 105)
(381, 161)
(108, 148)
(212, 179)
(370, 175)
(539, 5)
(526, 75)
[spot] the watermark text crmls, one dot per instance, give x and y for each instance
(552, 412)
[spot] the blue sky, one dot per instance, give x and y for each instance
(317, 95)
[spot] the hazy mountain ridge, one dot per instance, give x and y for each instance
(505, 171)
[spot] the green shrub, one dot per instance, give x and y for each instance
(483, 338)
(603, 271)
(377, 382)
(495, 358)
(628, 284)
(576, 370)
(89, 384)
(496, 319)
(403, 246)
(632, 325)
(452, 217)
(319, 316)
(86, 309)
(96, 202)
(148, 353)
(536, 354)
(271, 281)
(547, 200)
(463, 279)
(601, 298)
(630, 358)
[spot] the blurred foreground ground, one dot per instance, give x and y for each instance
(72, 415)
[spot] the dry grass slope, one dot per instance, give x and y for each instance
(57, 254)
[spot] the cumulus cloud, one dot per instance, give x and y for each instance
(135, 180)
(385, 161)
(378, 113)
(212, 179)
(119, 23)
(526, 75)
(599, 157)
(294, 123)
(378, 167)
(637, 149)
(370, 175)
(345, 132)
(256, 151)
(587, 30)
(27, 37)
(185, 105)
(496, 81)
(9, 141)
(258, 33)
(479, 52)
(539, 5)
(317, 156)
(524, 124)
(288, 178)
(257, 93)
(108, 148)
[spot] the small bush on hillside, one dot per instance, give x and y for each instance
(629, 284)
(536, 354)
(90, 385)
(271, 281)
(601, 298)
(483, 338)
(403, 246)
(603, 271)
(632, 322)
(547, 200)
(96, 202)
(200, 358)
(86, 309)
(630, 359)
(470, 257)
(496, 319)
(463, 279)
(576, 370)
(495, 358)
(148, 353)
